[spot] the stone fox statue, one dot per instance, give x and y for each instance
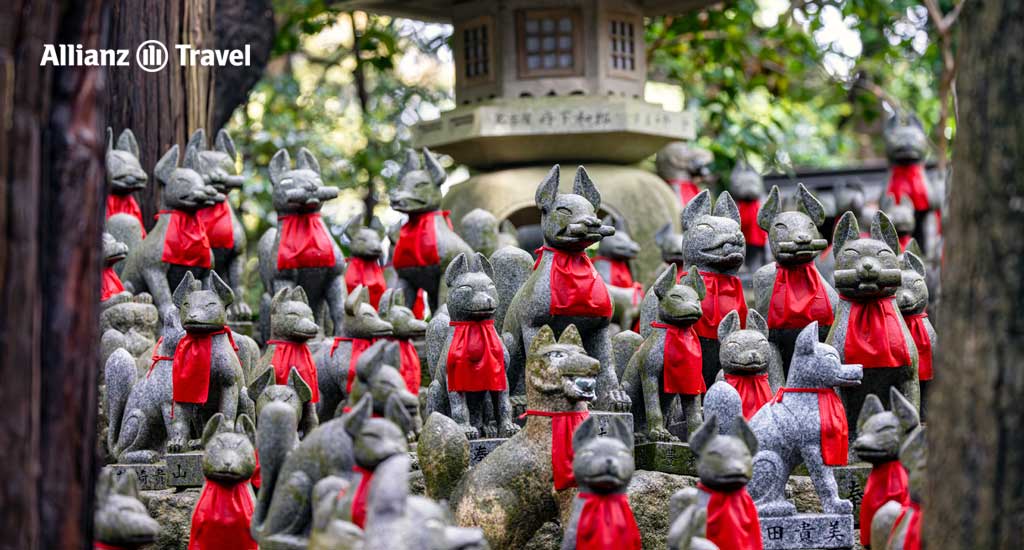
(804, 424)
(291, 327)
(223, 228)
(790, 292)
(121, 520)
(178, 243)
(912, 299)
(906, 146)
(125, 176)
(524, 481)
(668, 363)
(749, 362)
(366, 246)
(564, 288)
(612, 262)
(426, 243)
(223, 512)
(301, 251)
(868, 327)
(896, 523)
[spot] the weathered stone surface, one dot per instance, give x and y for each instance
(807, 532)
(649, 493)
(443, 453)
(548, 537)
(151, 477)
(851, 481)
(666, 457)
(184, 469)
(615, 424)
(173, 511)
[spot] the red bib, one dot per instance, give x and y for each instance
(222, 518)
(419, 307)
(606, 521)
(219, 229)
(904, 240)
(359, 345)
(874, 337)
(97, 545)
(576, 288)
(476, 360)
(417, 241)
(185, 242)
(155, 357)
(732, 520)
(125, 204)
(684, 189)
(834, 429)
(919, 332)
(360, 496)
(724, 294)
(907, 180)
(563, 424)
(754, 235)
(289, 354)
(798, 298)
(191, 369)
(754, 391)
(410, 369)
(366, 272)
(256, 478)
(887, 481)
(111, 284)
(681, 369)
(622, 277)
(304, 242)
(912, 540)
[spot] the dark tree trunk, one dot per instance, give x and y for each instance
(240, 23)
(975, 497)
(51, 196)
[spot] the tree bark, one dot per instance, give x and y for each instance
(975, 496)
(51, 197)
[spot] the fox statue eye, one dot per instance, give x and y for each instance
(564, 210)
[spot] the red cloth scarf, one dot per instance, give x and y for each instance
(622, 277)
(907, 180)
(191, 370)
(754, 235)
(576, 288)
(256, 478)
(222, 518)
(125, 204)
(97, 545)
(156, 357)
(304, 242)
(111, 284)
(217, 220)
(682, 362)
(732, 519)
(476, 360)
(360, 496)
(186, 242)
(684, 189)
(606, 521)
(288, 354)
(798, 297)
(724, 294)
(366, 272)
(563, 424)
(834, 429)
(874, 337)
(912, 540)
(359, 345)
(417, 241)
(887, 481)
(754, 391)
(410, 367)
(419, 307)
(919, 332)
(904, 239)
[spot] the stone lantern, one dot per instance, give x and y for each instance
(540, 82)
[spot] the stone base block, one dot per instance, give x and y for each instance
(670, 458)
(151, 477)
(480, 448)
(851, 481)
(623, 422)
(807, 532)
(185, 469)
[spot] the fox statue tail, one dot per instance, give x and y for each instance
(443, 452)
(119, 374)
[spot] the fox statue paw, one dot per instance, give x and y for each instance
(838, 506)
(508, 429)
(239, 311)
(616, 401)
(660, 434)
(470, 431)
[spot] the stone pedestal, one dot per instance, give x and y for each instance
(185, 469)
(807, 532)
(851, 481)
(604, 419)
(670, 458)
(151, 477)
(480, 448)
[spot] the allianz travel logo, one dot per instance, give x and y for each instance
(151, 56)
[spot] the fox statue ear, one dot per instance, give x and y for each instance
(725, 207)
(708, 430)
(245, 426)
(279, 298)
(372, 360)
(197, 141)
(846, 231)
(571, 336)
(351, 227)
(183, 289)
(700, 205)
(756, 322)
(742, 430)
(909, 261)
(806, 340)
(166, 166)
(914, 248)
(280, 164)
(300, 386)
(883, 230)
(298, 294)
(459, 266)
(583, 186)
(769, 209)
(810, 205)
(694, 280)
(396, 412)
(221, 289)
(485, 265)
(126, 142)
(544, 337)
(729, 324)
(434, 168)
(359, 414)
(872, 406)
(213, 426)
(264, 380)
(226, 145)
(904, 410)
(307, 161)
(586, 431)
(359, 295)
(665, 281)
(547, 190)
(913, 449)
(110, 139)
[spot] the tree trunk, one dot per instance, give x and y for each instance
(162, 108)
(51, 197)
(975, 497)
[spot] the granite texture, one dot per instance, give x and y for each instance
(748, 352)
(484, 234)
(172, 509)
(291, 320)
(914, 457)
(746, 184)
(377, 376)
(120, 518)
(514, 266)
